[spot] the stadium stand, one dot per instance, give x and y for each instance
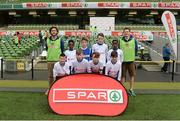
(41, 27)
(137, 27)
(9, 50)
(76, 27)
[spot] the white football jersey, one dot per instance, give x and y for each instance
(113, 70)
(102, 49)
(120, 55)
(80, 67)
(61, 70)
(95, 68)
(71, 56)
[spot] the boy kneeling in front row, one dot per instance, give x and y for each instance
(61, 68)
(80, 65)
(95, 66)
(113, 67)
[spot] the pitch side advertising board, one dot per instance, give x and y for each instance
(88, 94)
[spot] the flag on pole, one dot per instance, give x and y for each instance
(169, 23)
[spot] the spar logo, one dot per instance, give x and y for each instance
(87, 95)
(115, 96)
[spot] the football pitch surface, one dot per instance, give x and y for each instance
(27, 105)
(34, 106)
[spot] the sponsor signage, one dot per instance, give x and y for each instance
(92, 5)
(140, 5)
(109, 4)
(77, 33)
(36, 5)
(89, 94)
(139, 35)
(20, 66)
(169, 23)
(169, 5)
(6, 6)
(72, 5)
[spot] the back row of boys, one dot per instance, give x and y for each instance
(91, 60)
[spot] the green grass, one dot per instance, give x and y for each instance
(44, 84)
(24, 83)
(24, 106)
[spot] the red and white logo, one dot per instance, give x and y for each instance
(169, 22)
(90, 94)
(87, 95)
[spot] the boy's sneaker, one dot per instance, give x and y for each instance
(128, 92)
(132, 93)
(47, 91)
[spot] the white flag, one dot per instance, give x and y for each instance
(169, 23)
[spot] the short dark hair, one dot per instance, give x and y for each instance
(84, 38)
(53, 27)
(126, 29)
(62, 55)
(100, 34)
(115, 40)
(70, 41)
(96, 54)
(114, 54)
(79, 52)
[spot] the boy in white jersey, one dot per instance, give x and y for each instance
(71, 53)
(101, 47)
(95, 66)
(113, 67)
(61, 68)
(81, 64)
(115, 48)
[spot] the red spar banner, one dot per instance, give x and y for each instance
(36, 5)
(168, 5)
(140, 5)
(108, 4)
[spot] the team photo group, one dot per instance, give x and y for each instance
(114, 62)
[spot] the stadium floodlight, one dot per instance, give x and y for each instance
(72, 13)
(51, 13)
(113, 12)
(17, 15)
(175, 13)
(130, 15)
(111, 15)
(91, 13)
(149, 15)
(133, 13)
(54, 15)
(36, 15)
(12, 13)
(32, 13)
(154, 13)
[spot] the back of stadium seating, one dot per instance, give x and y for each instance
(8, 49)
(42, 27)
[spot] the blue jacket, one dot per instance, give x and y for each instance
(166, 51)
(87, 53)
